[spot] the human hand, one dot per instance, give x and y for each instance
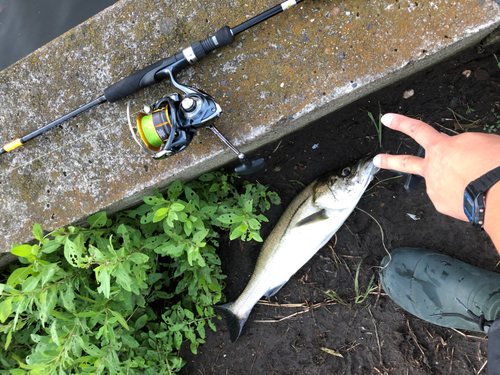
(450, 163)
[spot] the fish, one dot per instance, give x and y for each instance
(307, 224)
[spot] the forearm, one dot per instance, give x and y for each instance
(492, 215)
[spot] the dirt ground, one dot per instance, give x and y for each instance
(376, 336)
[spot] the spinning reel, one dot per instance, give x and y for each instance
(168, 126)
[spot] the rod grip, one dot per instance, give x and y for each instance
(147, 76)
(138, 80)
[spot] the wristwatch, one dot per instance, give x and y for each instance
(474, 196)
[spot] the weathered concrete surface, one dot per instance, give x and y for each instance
(276, 78)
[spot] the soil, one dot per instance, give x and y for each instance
(375, 336)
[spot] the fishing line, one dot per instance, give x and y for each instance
(378, 183)
(382, 232)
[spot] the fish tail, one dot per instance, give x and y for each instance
(234, 323)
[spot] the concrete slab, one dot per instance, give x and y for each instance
(274, 79)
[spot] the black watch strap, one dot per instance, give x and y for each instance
(474, 194)
(487, 180)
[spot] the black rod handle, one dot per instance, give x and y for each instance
(138, 80)
(155, 73)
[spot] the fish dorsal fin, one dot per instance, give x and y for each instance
(317, 216)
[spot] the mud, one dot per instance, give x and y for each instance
(301, 330)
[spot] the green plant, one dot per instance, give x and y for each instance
(122, 296)
(332, 294)
(493, 128)
(471, 123)
(378, 126)
(498, 62)
(361, 296)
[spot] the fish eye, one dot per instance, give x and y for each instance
(346, 171)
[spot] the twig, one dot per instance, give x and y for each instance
(481, 369)
(416, 342)
(278, 146)
(451, 360)
(469, 336)
(450, 130)
(257, 353)
(461, 127)
(378, 340)
(307, 307)
(496, 265)
(378, 293)
(276, 304)
(335, 242)
(281, 319)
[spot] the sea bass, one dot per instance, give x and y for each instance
(310, 220)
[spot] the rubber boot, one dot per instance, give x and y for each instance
(441, 290)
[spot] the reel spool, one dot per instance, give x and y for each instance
(159, 130)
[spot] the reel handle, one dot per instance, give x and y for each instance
(157, 71)
(248, 166)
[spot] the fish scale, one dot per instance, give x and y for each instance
(308, 223)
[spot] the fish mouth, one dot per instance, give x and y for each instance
(372, 169)
(366, 171)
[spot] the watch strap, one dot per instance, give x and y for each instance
(487, 180)
(474, 196)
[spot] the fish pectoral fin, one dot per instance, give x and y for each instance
(318, 216)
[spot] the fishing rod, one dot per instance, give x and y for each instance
(167, 127)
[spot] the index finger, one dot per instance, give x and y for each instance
(421, 132)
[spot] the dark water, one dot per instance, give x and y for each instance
(26, 25)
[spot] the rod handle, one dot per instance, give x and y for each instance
(138, 80)
(148, 76)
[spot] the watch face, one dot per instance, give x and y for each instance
(469, 206)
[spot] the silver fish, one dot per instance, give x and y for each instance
(307, 224)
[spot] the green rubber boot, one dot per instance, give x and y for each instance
(441, 290)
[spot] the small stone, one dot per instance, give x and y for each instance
(408, 94)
